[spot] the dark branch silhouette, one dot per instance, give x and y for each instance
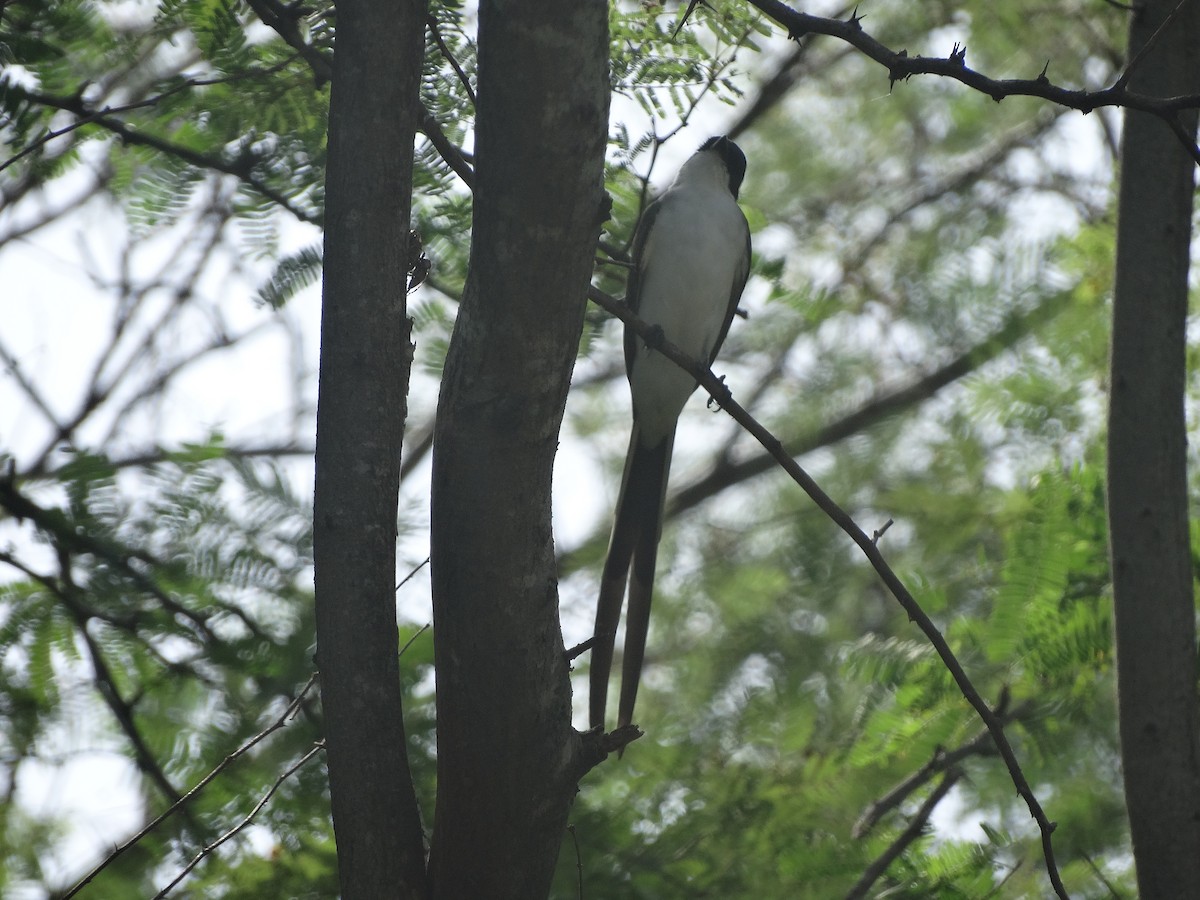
(240, 167)
(911, 832)
(279, 722)
(901, 66)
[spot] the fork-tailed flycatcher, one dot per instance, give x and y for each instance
(691, 258)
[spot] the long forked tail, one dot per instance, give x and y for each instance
(636, 529)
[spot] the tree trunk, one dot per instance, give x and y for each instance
(508, 759)
(1147, 477)
(366, 356)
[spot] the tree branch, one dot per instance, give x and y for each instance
(240, 168)
(454, 158)
(980, 745)
(245, 822)
(282, 20)
(886, 404)
(721, 394)
(106, 686)
(435, 31)
(901, 67)
(284, 717)
(913, 831)
(68, 538)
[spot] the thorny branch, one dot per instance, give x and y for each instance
(721, 394)
(90, 117)
(901, 67)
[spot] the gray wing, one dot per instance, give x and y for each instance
(633, 285)
(740, 277)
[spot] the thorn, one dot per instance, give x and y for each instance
(713, 403)
(879, 532)
(895, 72)
(687, 15)
(958, 54)
(1042, 79)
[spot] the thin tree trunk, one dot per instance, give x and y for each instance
(1147, 477)
(508, 759)
(366, 356)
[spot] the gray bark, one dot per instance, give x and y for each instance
(366, 356)
(1147, 477)
(508, 759)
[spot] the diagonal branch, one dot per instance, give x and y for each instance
(245, 822)
(67, 538)
(1145, 49)
(980, 745)
(240, 168)
(283, 21)
(435, 31)
(726, 473)
(869, 547)
(90, 117)
(284, 717)
(106, 685)
(911, 832)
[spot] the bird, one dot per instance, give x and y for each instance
(691, 260)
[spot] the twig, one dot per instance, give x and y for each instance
(906, 837)
(94, 115)
(581, 648)
(153, 456)
(409, 577)
(1103, 879)
(578, 858)
(881, 531)
(434, 30)
(980, 745)
(13, 367)
(283, 718)
(66, 537)
(409, 642)
(239, 169)
(997, 891)
(240, 826)
(121, 708)
(721, 394)
(1144, 50)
